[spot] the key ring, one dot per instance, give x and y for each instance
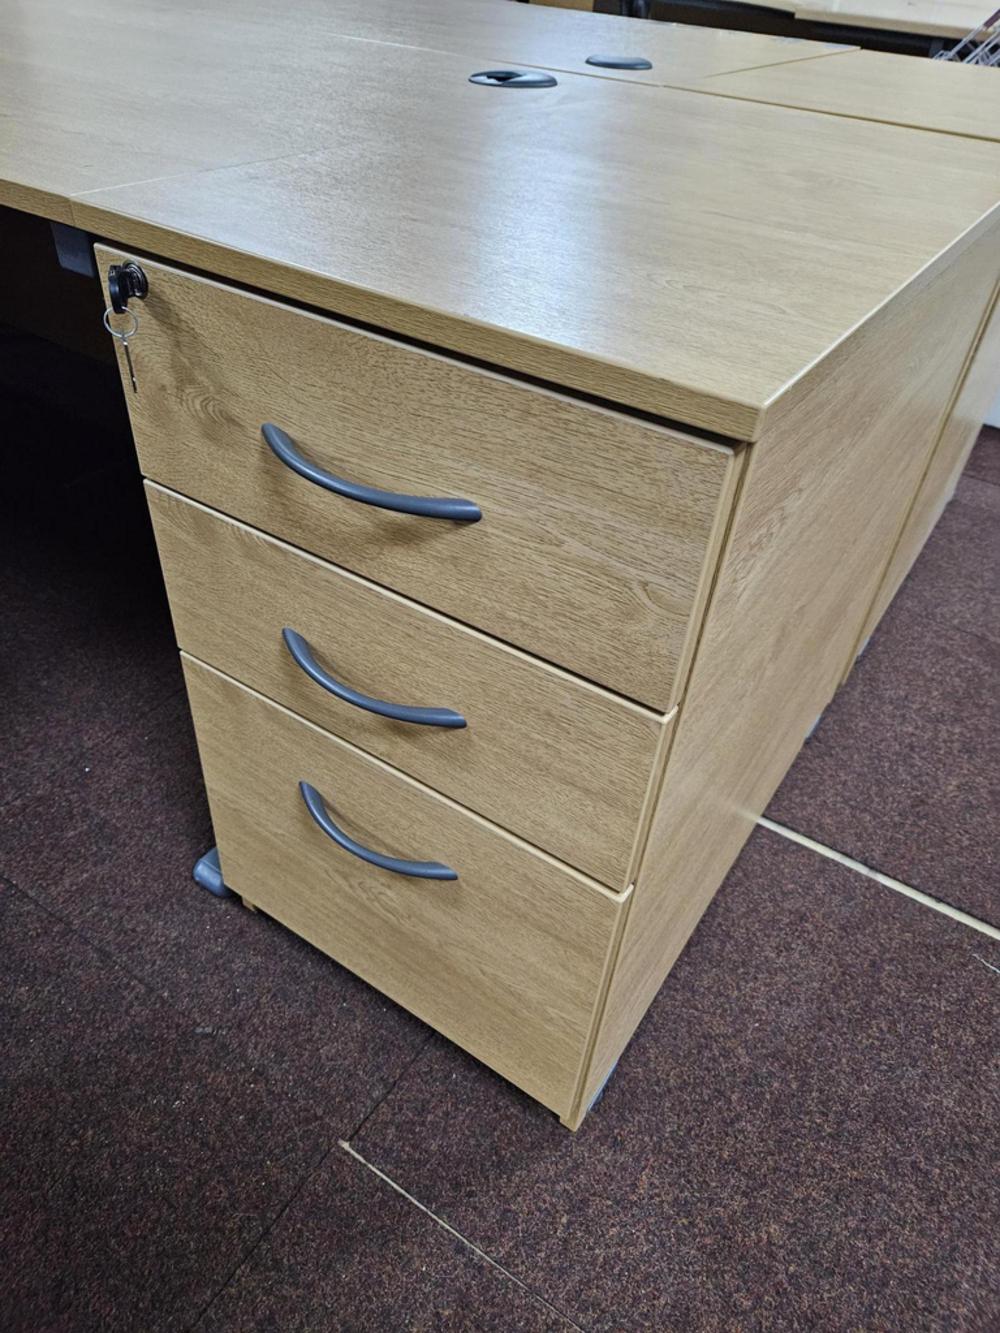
(120, 333)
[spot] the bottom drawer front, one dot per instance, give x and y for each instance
(507, 959)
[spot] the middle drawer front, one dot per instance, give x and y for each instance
(508, 959)
(562, 763)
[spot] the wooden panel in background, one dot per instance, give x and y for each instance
(933, 18)
(943, 469)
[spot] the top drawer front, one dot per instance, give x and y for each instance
(596, 528)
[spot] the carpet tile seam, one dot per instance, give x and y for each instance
(824, 1063)
(967, 630)
(144, 715)
(82, 934)
(390, 1089)
(978, 477)
(235, 1059)
(244, 1259)
(886, 881)
(457, 1235)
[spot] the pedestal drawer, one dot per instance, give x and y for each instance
(507, 959)
(597, 532)
(565, 764)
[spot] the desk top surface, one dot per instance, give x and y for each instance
(537, 35)
(687, 255)
(94, 94)
(873, 85)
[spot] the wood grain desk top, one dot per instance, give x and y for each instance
(695, 269)
(874, 85)
(101, 93)
(535, 35)
(107, 92)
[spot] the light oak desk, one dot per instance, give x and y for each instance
(167, 99)
(536, 36)
(496, 31)
(600, 443)
(933, 96)
(870, 85)
(875, 85)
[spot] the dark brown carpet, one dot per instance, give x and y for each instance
(802, 1134)
(140, 1154)
(985, 460)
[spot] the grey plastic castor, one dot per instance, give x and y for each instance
(208, 873)
(600, 1091)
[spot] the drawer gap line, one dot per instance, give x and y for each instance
(616, 895)
(647, 710)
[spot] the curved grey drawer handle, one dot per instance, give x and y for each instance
(416, 869)
(283, 447)
(428, 717)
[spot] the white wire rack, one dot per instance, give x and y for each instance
(981, 47)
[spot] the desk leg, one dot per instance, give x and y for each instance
(208, 874)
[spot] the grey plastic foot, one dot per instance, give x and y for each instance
(816, 721)
(600, 1091)
(208, 874)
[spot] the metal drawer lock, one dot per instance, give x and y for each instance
(124, 282)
